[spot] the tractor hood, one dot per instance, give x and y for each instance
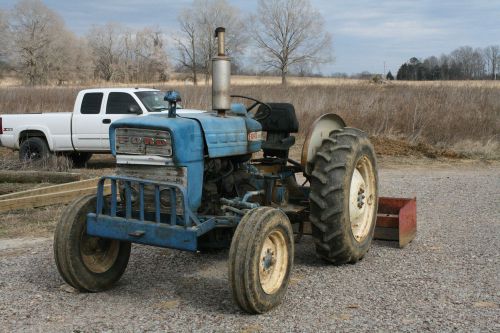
(223, 136)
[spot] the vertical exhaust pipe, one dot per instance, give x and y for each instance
(221, 76)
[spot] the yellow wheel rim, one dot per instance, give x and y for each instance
(273, 262)
(362, 199)
(98, 254)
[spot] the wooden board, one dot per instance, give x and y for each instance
(52, 198)
(52, 189)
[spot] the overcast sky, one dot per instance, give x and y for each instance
(366, 33)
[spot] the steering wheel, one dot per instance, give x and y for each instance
(258, 115)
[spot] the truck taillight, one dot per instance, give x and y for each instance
(1, 127)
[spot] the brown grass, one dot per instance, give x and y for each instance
(463, 116)
(33, 222)
(9, 160)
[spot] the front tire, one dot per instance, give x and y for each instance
(344, 196)
(87, 263)
(261, 260)
(33, 149)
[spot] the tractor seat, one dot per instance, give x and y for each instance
(279, 124)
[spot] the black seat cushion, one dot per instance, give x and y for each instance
(278, 142)
(281, 119)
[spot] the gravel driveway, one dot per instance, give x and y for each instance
(448, 279)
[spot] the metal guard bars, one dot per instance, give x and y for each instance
(153, 228)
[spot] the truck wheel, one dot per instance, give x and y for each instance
(33, 149)
(344, 196)
(79, 159)
(87, 263)
(261, 259)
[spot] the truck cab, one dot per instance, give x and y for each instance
(96, 109)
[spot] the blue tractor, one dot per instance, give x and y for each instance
(220, 179)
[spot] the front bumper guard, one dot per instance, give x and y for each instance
(119, 220)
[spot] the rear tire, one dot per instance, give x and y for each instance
(344, 196)
(33, 149)
(87, 263)
(261, 260)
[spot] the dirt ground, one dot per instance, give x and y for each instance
(446, 280)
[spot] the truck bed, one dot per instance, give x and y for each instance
(58, 124)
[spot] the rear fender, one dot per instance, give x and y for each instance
(319, 130)
(21, 132)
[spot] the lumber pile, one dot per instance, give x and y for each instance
(50, 195)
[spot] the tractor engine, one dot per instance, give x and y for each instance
(222, 178)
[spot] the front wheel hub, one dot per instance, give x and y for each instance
(98, 254)
(273, 262)
(361, 198)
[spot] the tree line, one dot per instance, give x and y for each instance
(464, 63)
(285, 36)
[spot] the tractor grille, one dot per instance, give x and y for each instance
(138, 141)
(177, 175)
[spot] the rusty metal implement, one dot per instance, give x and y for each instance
(396, 220)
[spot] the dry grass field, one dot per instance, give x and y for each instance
(407, 120)
(460, 116)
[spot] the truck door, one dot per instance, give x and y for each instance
(87, 122)
(119, 105)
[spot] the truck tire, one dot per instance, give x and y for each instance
(33, 149)
(87, 263)
(344, 196)
(79, 159)
(261, 259)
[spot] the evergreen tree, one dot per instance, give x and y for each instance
(403, 72)
(389, 76)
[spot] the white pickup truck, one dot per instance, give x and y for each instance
(82, 132)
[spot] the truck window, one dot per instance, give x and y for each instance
(91, 103)
(153, 100)
(119, 103)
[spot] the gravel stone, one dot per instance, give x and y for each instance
(446, 280)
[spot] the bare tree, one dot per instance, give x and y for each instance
(4, 33)
(35, 31)
(290, 33)
(123, 54)
(38, 45)
(492, 55)
(196, 41)
(186, 43)
(105, 43)
(66, 58)
(83, 70)
(470, 61)
(478, 64)
(151, 61)
(4, 41)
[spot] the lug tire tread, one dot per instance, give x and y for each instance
(330, 182)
